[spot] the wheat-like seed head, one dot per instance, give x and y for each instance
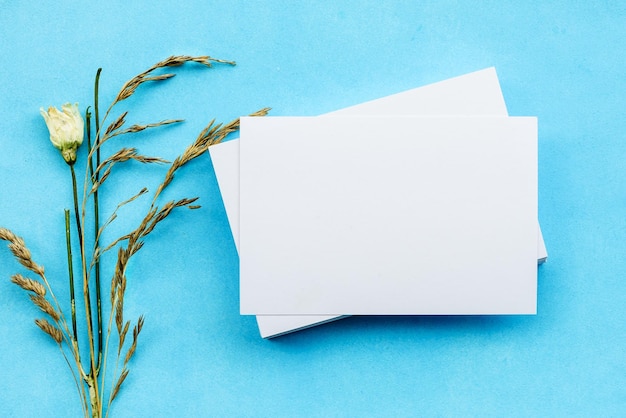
(138, 128)
(29, 284)
(123, 337)
(121, 119)
(119, 309)
(45, 306)
(211, 135)
(103, 171)
(133, 347)
(121, 379)
(131, 85)
(19, 250)
(50, 329)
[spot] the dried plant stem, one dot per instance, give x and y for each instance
(92, 377)
(96, 212)
(79, 229)
(129, 88)
(212, 134)
(79, 386)
(22, 254)
(60, 331)
(96, 400)
(70, 269)
(96, 89)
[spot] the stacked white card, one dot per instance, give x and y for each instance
(423, 202)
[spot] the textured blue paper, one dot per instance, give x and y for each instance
(197, 357)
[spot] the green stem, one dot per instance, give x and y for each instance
(86, 292)
(76, 212)
(70, 271)
(80, 243)
(96, 215)
(92, 381)
(95, 104)
(96, 243)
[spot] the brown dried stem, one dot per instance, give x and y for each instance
(91, 386)
(211, 135)
(60, 330)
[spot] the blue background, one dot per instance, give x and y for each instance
(562, 61)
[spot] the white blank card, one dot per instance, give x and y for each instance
(476, 93)
(388, 215)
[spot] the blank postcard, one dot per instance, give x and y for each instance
(388, 215)
(476, 93)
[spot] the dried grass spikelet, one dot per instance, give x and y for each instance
(29, 285)
(123, 337)
(114, 129)
(133, 347)
(138, 128)
(165, 211)
(99, 251)
(212, 134)
(45, 306)
(154, 216)
(19, 250)
(50, 329)
(125, 154)
(119, 307)
(118, 289)
(176, 60)
(121, 119)
(129, 354)
(118, 276)
(117, 386)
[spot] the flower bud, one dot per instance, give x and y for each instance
(66, 129)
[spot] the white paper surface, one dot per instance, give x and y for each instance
(476, 93)
(388, 215)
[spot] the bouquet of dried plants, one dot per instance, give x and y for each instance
(100, 366)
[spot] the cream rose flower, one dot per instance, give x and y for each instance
(66, 129)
